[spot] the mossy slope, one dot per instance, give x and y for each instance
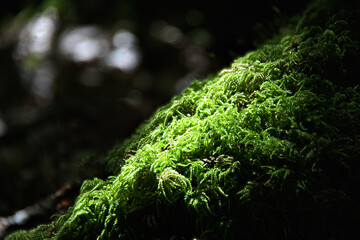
(267, 149)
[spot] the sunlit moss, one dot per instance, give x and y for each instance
(266, 149)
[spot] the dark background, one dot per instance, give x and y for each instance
(62, 137)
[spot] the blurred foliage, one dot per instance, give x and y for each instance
(265, 149)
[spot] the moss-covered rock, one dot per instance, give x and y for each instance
(266, 149)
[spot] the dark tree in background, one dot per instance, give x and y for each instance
(77, 76)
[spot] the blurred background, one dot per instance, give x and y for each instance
(78, 76)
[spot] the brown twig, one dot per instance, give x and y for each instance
(40, 212)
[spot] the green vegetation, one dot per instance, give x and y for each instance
(267, 149)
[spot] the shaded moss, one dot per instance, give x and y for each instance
(266, 149)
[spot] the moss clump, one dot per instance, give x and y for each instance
(267, 149)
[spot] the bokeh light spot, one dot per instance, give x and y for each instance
(84, 44)
(36, 37)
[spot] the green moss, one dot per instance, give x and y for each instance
(266, 149)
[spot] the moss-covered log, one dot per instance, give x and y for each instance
(266, 149)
